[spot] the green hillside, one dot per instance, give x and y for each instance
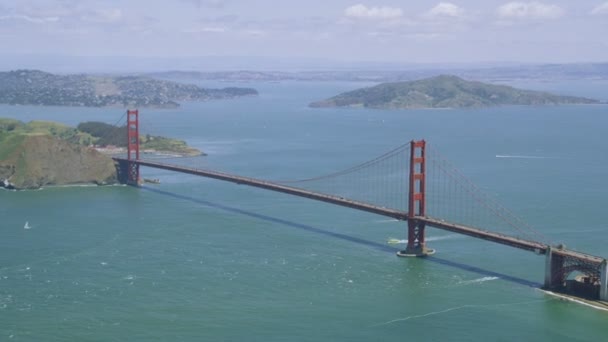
(90, 133)
(42, 153)
(54, 129)
(104, 134)
(444, 92)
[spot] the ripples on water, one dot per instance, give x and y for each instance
(199, 260)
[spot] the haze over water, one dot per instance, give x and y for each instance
(195, 259)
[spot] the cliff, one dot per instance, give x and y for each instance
(33, 161)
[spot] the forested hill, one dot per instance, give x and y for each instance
(104, 134)
(34, 87)
(444, 91)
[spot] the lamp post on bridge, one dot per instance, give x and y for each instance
(416, 245)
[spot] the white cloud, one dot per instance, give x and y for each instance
(601, 9)
(446, 9)
(530, 10)
(207, 3)
(103, 15)
(208, 29)
(214, 29)
(64, 14)
(35, 20)
(254, 33)
(363, 12)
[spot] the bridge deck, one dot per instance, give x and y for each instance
(533, 246)
(396, 214)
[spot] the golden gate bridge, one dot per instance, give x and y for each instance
(415, 184)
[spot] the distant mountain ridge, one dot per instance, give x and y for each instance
(444, 91)
(396, 73)
(35, 87)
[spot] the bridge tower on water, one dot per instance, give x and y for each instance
(133, 146)
(416, 245)
(128, 172)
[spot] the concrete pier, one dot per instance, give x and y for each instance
(554, 264)
(420, 251)
(604, 281)
(548, 273)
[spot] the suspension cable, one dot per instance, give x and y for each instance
(114, 127)
(487, 201)
(351, 169)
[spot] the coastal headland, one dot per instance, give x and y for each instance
(41, 153)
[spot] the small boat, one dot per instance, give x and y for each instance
(393, 241)
(152, 180)
(27, 225)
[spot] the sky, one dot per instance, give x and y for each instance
(391, 31)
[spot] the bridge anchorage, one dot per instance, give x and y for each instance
(573, 273)
(434, 189)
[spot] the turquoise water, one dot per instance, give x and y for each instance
(195, 259)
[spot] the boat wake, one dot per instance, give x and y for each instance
(466, 306)
(476, 281)
(393, 241)
(521, 156)
(444, 237)
(387, 221)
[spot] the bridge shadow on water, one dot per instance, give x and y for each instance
(374, 245)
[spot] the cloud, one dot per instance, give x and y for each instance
(207, 3)
(443, 19)
(446, 10)
(66, 12)
(103, 15)
(254, 33)
(363, 12)
(600, 9)
(35, 20)
(208, 29)
(529, 10)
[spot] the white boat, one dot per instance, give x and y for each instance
(27, 225)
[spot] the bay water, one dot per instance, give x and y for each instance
(194, 259)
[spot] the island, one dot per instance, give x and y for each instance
(41, 153)
(444, 91)
(35, 87)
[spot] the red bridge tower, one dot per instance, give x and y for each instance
(133, 146)
(416, 246)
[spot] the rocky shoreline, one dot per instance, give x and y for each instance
(5, 184)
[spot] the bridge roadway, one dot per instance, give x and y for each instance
(533, 246)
